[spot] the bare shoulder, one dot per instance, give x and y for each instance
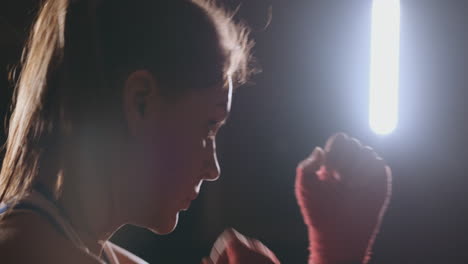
(25, 237)
(122, 255)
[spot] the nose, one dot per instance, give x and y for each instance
(211, 170)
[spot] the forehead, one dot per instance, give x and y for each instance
(215, 99)
(223, 95)
(219, 96)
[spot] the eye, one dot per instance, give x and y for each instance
(212, 128)
(212, 123)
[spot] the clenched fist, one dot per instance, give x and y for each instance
(343, 192)
(234, 248)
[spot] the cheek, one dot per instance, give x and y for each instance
(179, 153)
(172, 164)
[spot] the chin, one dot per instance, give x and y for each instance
(165, 226)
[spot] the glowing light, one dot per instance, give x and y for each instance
(384, 66)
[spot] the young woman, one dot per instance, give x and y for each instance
(115, 116)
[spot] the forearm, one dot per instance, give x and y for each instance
(321, 259)
(338, 250)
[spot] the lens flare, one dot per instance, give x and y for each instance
(384, 66)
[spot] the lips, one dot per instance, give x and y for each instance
(188, 201)
(186, 205)
(193, 196)
(196, 191)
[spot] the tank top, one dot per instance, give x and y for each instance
(40, 202)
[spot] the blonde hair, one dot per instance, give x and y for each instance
(27, 125)
(68, 61)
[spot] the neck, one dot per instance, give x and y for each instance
(89, 212)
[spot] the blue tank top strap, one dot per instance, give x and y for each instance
(3, 209)
(27, 205)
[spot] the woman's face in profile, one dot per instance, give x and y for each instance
(174, 152)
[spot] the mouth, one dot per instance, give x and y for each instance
(188, 201)
(193, 196)
(186, 205)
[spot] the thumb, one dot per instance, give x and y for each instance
(307, 169)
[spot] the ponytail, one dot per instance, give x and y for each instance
(29, 128)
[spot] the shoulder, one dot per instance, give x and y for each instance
(122, 255)
(27, 238)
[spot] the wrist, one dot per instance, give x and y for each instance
(338, 249)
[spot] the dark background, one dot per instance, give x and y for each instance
(315, 59)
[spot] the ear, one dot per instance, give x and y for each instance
(139, 97)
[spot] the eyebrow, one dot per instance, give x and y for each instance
(223, 122)
(225, 113)
(222, 104)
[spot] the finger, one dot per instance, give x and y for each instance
(230, 237)
(371, 173)
(388, 195)
(341, 152)
(365, 156)
(238, 237)
(334, 148)
(388, 172)
(369, 152)
(260, 247)
(207, 261)
(222, 259)
(241, 249)
(335, 140)
(347, 158)
(238, 246)
(314, 161)
(230, 246)
(218, 251)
